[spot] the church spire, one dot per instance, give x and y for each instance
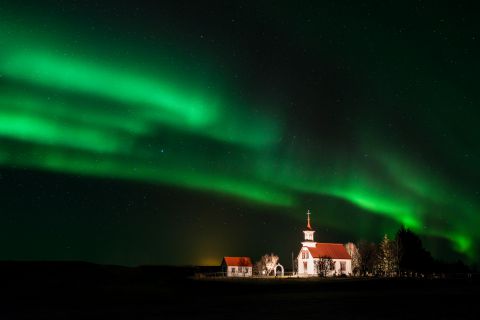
(309, 227)
(308, 242)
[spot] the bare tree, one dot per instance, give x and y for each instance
(367, 251)
(258, 268)
(324, 265)
(355, 255)
(267, 264)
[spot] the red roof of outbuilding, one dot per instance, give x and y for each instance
(238, 261)
(331, 250)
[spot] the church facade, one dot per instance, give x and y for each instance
(317, 258)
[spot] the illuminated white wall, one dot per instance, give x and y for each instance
(235, 271)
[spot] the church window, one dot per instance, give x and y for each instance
(305, 267)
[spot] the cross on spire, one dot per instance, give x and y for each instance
(308, 220)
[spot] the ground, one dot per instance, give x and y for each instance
(86, 291)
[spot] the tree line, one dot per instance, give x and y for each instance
(404, 255)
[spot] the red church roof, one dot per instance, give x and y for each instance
(331, 250)
(238, 261)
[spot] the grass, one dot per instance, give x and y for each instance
(86, 291)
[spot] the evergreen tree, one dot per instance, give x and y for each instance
(387, 264)
(412, 255)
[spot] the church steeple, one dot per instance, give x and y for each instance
(308, 242)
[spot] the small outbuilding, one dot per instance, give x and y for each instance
(237, 266)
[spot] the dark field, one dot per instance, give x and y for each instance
(87, 291)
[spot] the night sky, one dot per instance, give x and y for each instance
(144, 132)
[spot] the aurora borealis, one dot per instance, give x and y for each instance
(178, 133)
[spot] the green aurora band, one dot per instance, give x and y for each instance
(80, 114)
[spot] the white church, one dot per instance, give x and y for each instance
(331, 259)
